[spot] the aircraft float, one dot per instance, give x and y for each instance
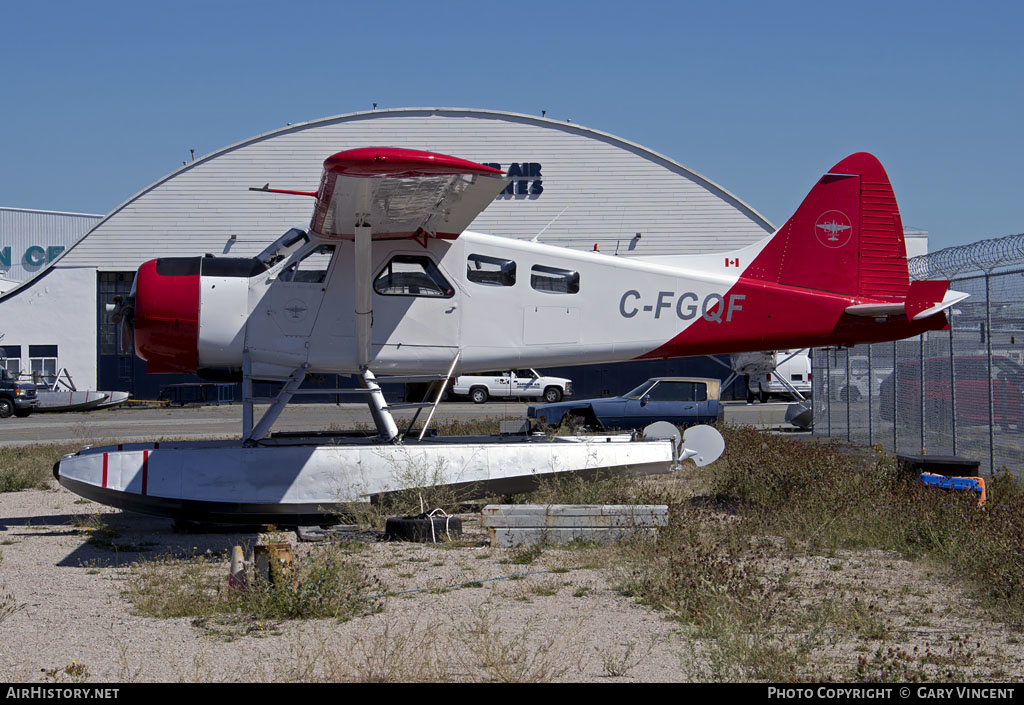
(386, 284)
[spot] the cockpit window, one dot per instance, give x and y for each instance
(412, 275)
(283, 246)
(311, 269)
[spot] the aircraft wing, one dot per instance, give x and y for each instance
(401, 193)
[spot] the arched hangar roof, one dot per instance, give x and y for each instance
(584, 186)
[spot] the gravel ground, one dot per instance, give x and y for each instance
(73, 623)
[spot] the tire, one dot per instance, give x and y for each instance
(552, 395)
(22, 413)
(418, 528)
(6, 408)
(479, 395)
(852, 392)
(763, 396)
(750, 396)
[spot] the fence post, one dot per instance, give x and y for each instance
(828, 392)
(988, 352)
(952, 380)
(920, 339)
(871, 377)
(849, 431)
(895, 405)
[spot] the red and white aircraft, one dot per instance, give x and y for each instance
(386, 280)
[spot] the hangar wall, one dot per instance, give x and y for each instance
(52, 324)
(31, 239)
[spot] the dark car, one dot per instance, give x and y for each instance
(678, 400)
(971, 390)
(18, 398)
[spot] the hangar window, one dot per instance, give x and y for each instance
(43, 362)
(412, 275)
(492, 271)
(554, 281)
(10, 360)
(311, 269)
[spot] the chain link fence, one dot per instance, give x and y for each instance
(955, 392)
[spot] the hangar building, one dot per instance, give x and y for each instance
(575, 186)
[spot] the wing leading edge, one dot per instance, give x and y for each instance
(401, 193)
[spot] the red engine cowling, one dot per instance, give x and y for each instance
(166, 315)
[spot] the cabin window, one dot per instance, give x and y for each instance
(553, 280)
(311, 269)
(492, 271)
(412, 275)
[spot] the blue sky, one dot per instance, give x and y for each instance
(101, 99)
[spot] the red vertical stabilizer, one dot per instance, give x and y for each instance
(845, 238)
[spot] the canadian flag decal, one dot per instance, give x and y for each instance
(735, 262)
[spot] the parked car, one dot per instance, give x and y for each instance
(18, 398)
(526, 383)
(858, 386)
(793, 366)
(678, 400)
(971, 389)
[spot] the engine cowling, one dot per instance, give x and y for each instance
(166, 314)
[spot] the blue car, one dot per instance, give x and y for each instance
(678, 400)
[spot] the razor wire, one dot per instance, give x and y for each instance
(982, 256)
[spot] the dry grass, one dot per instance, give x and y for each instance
(30, 467)
(326, 583)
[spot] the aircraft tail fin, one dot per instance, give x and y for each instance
(846, 237)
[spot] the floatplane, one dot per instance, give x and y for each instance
(386, 284)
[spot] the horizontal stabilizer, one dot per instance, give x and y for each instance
(949, 299)
(924, 298)
(876, 310)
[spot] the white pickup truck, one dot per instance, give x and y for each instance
(515, 383)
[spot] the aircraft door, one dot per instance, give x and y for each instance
(298, 292)
(415, 312)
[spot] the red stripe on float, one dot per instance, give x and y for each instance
(145, 470)
(104, 469)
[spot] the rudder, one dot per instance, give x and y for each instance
(846, 237)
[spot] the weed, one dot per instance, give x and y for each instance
(525, 555)
(9, 606)
(74, 672)
(545, 588)
(513, 658)
(325, 584)
(618, 664)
